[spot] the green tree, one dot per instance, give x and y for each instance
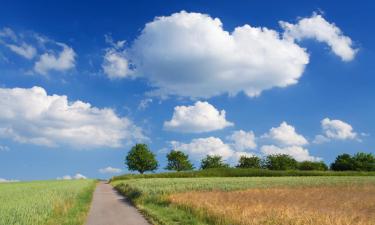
(141, 159)
(249, 162)
(364, 161)
(343, 162)
(310, 165)
(214, 161)
(280, 162)
(178, 161)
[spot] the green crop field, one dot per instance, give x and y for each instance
(45, 202)
(151, 195)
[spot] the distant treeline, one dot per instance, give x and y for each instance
(141, 159)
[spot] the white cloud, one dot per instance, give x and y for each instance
(110, 169)
(200, 147)
(335, 130)
(191, 55)
(4, 148)
(115, 65)
(316, 27)
(200, 117)
(144, 103)
(243, 140)
(24, 50)
(32, 116)
(63, 61)
(78, 176)
(285, 135)
(2, 180)
(297, 152)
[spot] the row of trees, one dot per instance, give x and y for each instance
(141, 159)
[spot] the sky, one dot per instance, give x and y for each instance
(82, 81)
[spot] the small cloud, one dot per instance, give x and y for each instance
(115, 64)
(243, 140)
(78, 176)
(285, 135)
(110, 170)
(144, 103)
(2, 180)
(335, 130)
(64, 60)
(198, 118)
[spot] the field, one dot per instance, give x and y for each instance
(45, 202)
(213, 200)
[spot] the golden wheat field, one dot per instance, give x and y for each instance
(324, 205)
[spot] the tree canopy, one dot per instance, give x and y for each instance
(141, 159)
(178, 161)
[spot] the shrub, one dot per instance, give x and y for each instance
(249, 162)
(213, 162)
(141, 159)
(309, 165)
(178, 161)
(280, 162)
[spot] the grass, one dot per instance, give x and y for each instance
(235, 172)
(325, 205)
(45, 202)
(152, 196)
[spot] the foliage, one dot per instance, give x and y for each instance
(141, 159)
(280, 162)
(364, 161)
(178, 161)
(45, 202)
(249, 162)
(360, 162)
(310, 165)
(214, 161)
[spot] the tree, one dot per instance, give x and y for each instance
(213, 162)
(310, 165)
(343, 162)
(141, 159)
(364, 161)
(249, 162)
(178, 161)
(280, 162)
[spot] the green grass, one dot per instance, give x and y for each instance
(45, 202)
(235, 172)
(150, 195)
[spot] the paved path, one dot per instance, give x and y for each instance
(110, 208)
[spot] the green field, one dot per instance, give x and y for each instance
(45, 202)
(151, 195)
(236, 172)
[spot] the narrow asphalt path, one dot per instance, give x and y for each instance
(110, 208)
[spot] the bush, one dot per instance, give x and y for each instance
(280, 162)
(309, 165)
(213, 162)
(343, 162)
(364, 161)
(178, 161)
(141, 159)
(249, 162)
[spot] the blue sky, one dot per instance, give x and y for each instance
(104, 80)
